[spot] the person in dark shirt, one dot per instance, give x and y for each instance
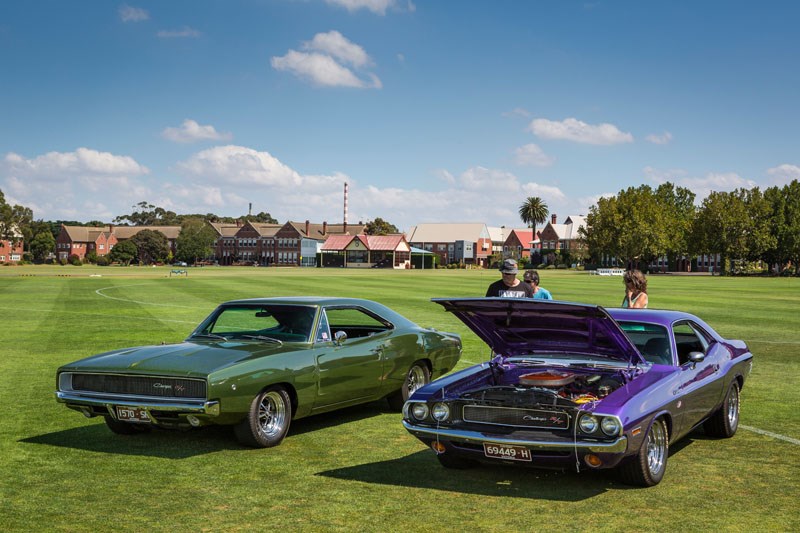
(509, 286)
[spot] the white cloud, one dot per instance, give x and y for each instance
(546, 192)
(532, 155)
(82, 161)
(322, 63)
(517, 112)
(784, 174)
(700, 186)
(184, 32)
(334, 44)
(572, 129)
(664, 138)
(132, 14)
(79, 185)
(662, 176)
(378, 7)
(190, 131)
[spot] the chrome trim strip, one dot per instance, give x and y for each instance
(619, 445)
(210, 408)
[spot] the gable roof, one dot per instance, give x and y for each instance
(320, 232)
(568, 230)
(525, 236)
(126, 232)
(225, 229)
(388, 243)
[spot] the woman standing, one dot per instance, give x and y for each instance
(635, 290)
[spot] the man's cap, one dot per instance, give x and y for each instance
(509, 266)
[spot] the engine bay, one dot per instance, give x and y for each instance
(526, 387)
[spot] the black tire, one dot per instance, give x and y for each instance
(126, 428)
(417, 376)
(268, 420)
(648, 466)
(725, 421)
(455, 462)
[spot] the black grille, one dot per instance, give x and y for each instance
(507, 416)
(140, 385)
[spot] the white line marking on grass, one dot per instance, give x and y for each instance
(100, 293)
(790, 440)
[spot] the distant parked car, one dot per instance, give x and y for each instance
(180, 264)
(257, 364)
(573, 384)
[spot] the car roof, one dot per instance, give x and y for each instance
(661, 317)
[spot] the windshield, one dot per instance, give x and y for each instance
(651, 340)
(264, 322)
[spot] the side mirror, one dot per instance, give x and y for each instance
(340, 337)
(696, 357)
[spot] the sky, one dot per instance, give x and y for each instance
(430, 111)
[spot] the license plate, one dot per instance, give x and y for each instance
(132, 414)
(501, 451)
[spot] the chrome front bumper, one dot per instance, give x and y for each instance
(620, 445)
(197, 407)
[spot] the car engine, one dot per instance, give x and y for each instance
(547, 388)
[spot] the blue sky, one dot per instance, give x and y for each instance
(431, 111)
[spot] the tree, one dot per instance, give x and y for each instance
(124, 252)
(41, 245)
(15, 220)
(153, 246)
(150, 215)
(264, 218)
(380, 227)
(196, 241)
(735, 225)
(785, 224)
(679, 210)
(533, 211)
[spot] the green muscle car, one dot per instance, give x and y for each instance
(257, 364)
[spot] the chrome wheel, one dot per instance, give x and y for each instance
(417, 377)
(656, 448)
(271, 415)
(267, 422)
(733, 408)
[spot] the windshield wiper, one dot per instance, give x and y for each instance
(263, 338)
(209, 336)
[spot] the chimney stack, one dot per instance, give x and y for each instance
(308, 227)
(553, 218)
(324, 228)
(344, 220)
(250, 209)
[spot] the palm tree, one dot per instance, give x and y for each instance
(533, 211)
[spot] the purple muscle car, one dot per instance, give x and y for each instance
(578, 385)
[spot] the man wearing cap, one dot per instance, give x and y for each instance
(509, 286)
(532, 278)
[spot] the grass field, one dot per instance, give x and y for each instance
(358, 469)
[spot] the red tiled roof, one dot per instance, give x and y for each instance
(337, 242)
(384, 242)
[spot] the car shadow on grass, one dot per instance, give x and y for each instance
(422, 470)
(157, 443)
(182, 444)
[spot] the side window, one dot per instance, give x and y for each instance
(355, 321)
(688, 339)
(323, 331)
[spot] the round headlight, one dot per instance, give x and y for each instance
(420, 411)
(610, 426)
(588, 424)
(440, 412)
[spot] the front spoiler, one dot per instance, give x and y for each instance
(618, 446)
(197, 407)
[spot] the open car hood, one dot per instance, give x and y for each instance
(521, 326)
